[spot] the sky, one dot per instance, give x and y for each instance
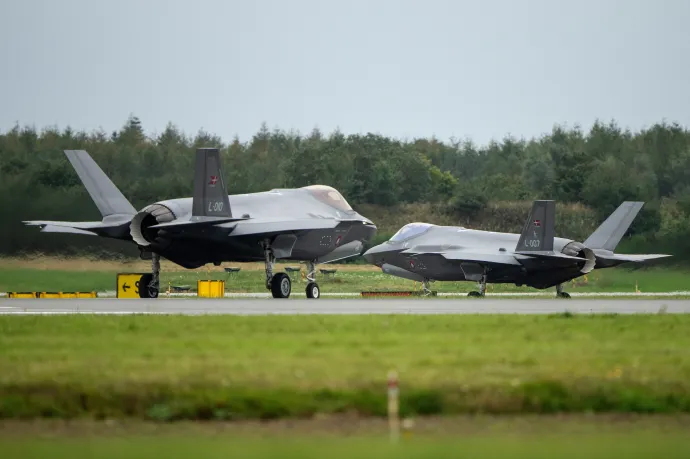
(476, 70)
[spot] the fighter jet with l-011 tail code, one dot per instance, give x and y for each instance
(313, 224)
(536, 258)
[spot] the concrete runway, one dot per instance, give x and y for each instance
(339, 306)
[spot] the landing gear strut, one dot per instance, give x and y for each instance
(426, 287)
(149, 285)
(279, 284)
(482, 286)
(560, 293)
(313, 290)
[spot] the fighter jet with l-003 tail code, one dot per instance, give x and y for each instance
(313, 224)
(536, 258)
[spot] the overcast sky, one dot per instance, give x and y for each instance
(467, 69)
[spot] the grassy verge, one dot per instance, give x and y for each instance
(84, 275)
(521, 437)
(226, 367)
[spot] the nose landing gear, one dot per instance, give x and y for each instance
(313, 290)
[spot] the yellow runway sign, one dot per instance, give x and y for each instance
(128, 285)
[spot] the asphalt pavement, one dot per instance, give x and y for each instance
(341, 306)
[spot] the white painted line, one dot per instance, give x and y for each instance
(62, 313)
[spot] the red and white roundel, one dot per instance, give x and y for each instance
(412, 264)
(337, 240)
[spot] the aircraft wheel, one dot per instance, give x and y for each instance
(144, 290)
(474, 293)
(281, 285)
(564, 295)
(313, 290)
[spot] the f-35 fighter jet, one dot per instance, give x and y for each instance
(313, 224)
(424, 252)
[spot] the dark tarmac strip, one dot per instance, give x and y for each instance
(341, 306)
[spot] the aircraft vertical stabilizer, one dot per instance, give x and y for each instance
(611, 231)
(210, 195)
(103, 192)
(116, 211)
(539, 231)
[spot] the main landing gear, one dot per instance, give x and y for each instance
(482, 286)
(149, 284)
(560, 293)
(280, 284)
(426, 287)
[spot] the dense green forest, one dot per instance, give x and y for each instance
(588, 172)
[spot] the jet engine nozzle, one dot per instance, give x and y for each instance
(153, 214)
(577, 249)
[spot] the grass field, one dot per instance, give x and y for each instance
(477, 436)
(52, 274)
(229, 367)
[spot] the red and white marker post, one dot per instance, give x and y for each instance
(393, 406)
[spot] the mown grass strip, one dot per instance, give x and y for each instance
(224, 367)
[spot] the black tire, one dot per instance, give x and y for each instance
(564, 295)
(313, 290)
(281, 285)
(144, 290)
(475, 294)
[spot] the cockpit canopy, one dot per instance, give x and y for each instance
(409, 231)
(329, 195)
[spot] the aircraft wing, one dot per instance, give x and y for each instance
(204, 221)
(468, 256)
(513, 258)
(253, 227)
(481, 258)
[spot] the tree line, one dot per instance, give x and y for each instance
(596, 168)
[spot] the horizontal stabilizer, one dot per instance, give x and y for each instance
(103, 192)
(201, 221)
(611, 231)
(66, 229)
(632, 258)
(79, 225)
(115, 229)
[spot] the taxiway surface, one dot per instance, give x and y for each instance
(341, 306)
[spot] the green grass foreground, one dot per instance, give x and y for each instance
(522, 437)
(649, 280)
(262, 367)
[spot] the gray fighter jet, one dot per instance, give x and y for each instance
(313, 224)
(425, 252)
